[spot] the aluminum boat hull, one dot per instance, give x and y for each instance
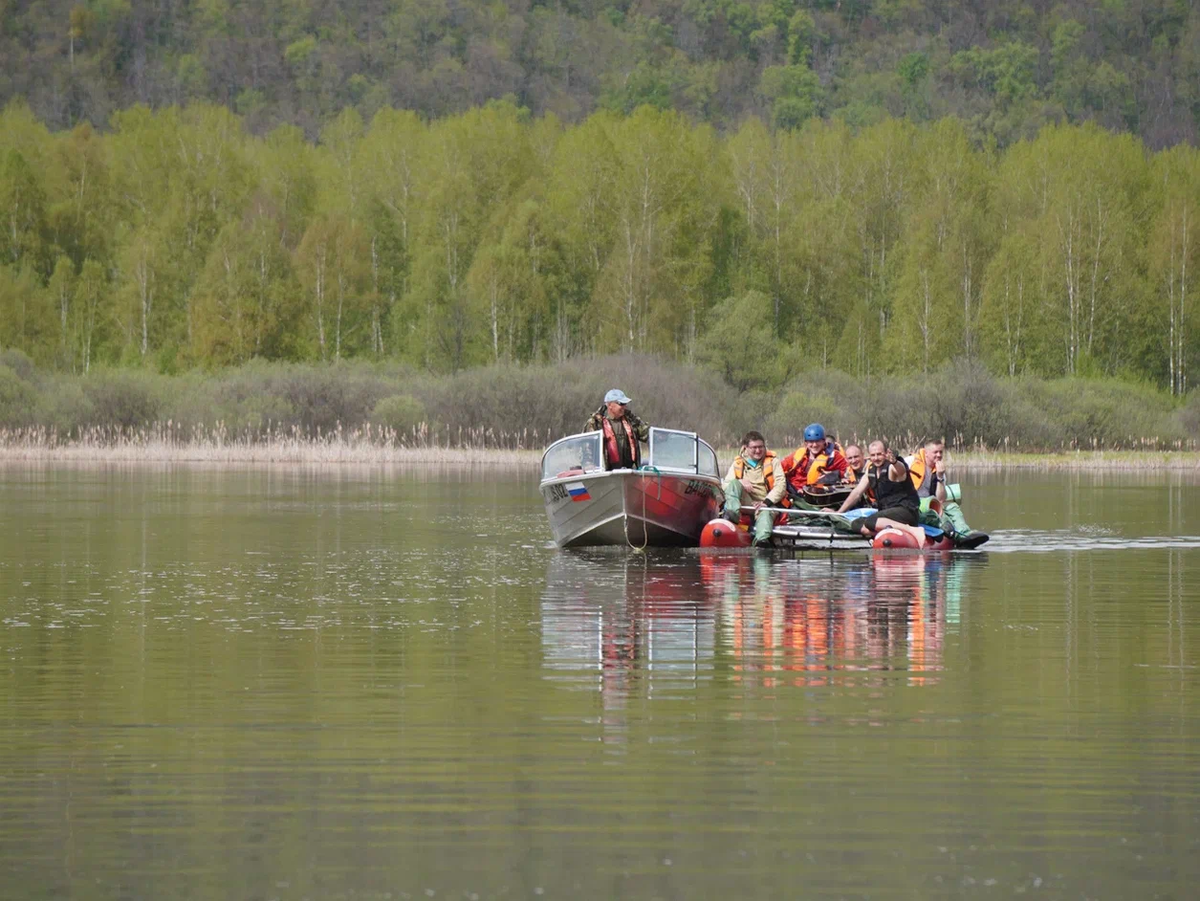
(639, 508)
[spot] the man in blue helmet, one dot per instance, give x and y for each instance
(623, 431)
(819, 461)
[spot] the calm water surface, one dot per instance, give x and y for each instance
(385, 683)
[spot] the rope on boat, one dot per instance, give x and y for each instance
(645, 533)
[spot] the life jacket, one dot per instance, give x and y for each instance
(868, 497)
(768, 465)
(810, 469)
(918, 469)
(612, 450)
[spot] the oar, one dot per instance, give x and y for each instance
(790, 511)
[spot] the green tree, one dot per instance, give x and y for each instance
(580, 195)
(91, 310)
(945, 249)
(26, 317)
(474, 160)
(648, 291)
(1175, 257)
(22, 205)
(61, 291)
(245, 299)
(793, 94)
(333, 262)
(738, 345)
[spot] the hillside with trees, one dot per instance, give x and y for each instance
(1005, 68)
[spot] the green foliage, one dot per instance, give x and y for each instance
(794, 93)
(124, 399)
(1007, 68)
(739, 343)
(913, 69)
(401, 412)
(17, 399)
(528, 406)
(299, 52)
(1189, 416)
(179, 241)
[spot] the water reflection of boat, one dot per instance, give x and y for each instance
(601, 612)
(665, 503)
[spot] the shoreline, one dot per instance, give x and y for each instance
(342, 452)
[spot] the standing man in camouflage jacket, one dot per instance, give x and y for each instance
(623, 431)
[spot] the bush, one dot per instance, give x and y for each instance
(966, 406)
(125, 399)
(785, 426)
(17, 399)
(64, 408)
(19, 363)
(325, 397)
(527, 406)
(555, 400)
(401, 412)
(1188, 417)
(1094, 413)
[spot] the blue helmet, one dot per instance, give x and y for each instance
(815, 432)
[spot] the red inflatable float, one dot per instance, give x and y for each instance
(723, 533)
(895, 540)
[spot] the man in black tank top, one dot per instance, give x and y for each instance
(896, 498)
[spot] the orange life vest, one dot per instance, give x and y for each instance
(811, 470)
(768, 465)
(917, 469)
(612, 450)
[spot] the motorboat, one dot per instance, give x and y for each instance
(664, 503)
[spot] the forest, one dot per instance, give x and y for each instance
(1006, 68)
(176, 239)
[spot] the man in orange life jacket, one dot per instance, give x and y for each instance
(755, 477)
(818, 462)
(927, 468)
(856, 468)
(856, 462)
(623, 431)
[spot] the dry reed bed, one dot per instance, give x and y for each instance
(380, 446)
(368, 445)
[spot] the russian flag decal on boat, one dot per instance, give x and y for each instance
(578, 491)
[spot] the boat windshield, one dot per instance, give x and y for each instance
(576, 453)
(681, 451)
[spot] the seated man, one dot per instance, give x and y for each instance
(895, 495)
(856, 468)
(927, 468)
(855, 462)
(818, 462)
(623, 431)
(755, 477)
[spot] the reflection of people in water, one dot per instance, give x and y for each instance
(764, 623)
(877, 613)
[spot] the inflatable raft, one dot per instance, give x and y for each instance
(812, 530)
